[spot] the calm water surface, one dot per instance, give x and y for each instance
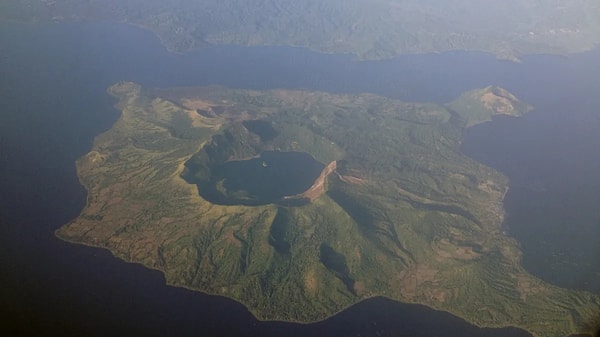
(263, 180)
(52, 103)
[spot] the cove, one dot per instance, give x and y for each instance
(53, 103)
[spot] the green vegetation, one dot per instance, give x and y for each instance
(371, 29)
(478, 106)
(397, 212)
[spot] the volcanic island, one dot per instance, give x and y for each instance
(299, 204)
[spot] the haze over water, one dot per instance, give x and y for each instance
(53, 103)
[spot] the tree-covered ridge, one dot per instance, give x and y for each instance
(402, 213)
(371, 29)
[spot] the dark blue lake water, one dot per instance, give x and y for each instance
(53, 102)
(263, 180)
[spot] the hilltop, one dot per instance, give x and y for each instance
(480, 105)
(390, 206)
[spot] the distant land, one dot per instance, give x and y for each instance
(299, 204)
(370, 29)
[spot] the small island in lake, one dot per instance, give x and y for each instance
(300, 204)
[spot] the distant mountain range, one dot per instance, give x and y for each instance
(370, 29)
